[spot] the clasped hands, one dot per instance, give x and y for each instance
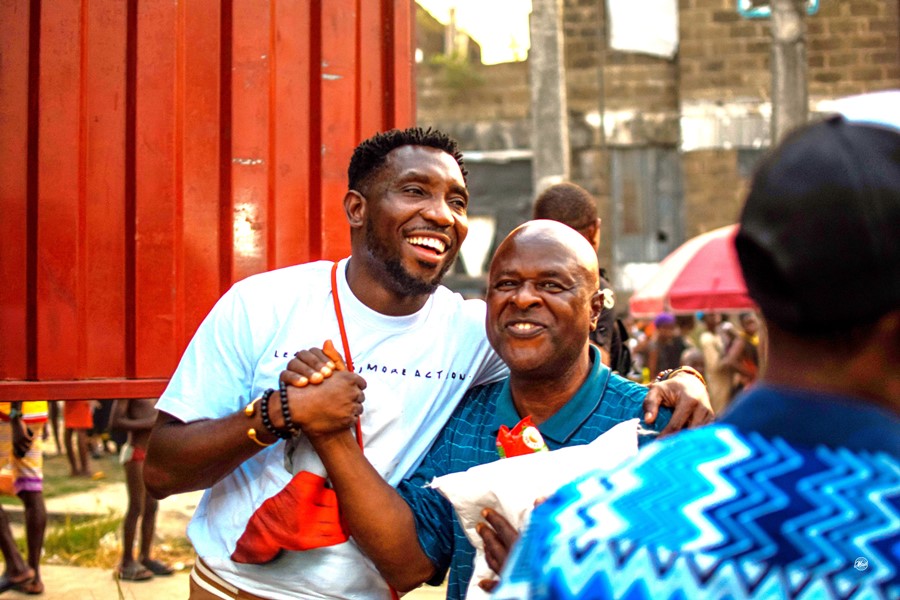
(324, 397)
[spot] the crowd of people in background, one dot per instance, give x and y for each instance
(724, 347)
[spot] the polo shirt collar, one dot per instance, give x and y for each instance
(561, 426)
(810, 418)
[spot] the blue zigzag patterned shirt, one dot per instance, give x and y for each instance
(730, 511)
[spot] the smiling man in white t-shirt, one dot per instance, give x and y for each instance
(416, 346)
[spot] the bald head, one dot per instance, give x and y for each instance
(555, 237)
(543, 300)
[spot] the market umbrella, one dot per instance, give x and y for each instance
(702, 274)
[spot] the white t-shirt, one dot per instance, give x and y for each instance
(417, 368)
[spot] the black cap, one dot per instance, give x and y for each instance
(819, 238)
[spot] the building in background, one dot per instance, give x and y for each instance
(665, 139)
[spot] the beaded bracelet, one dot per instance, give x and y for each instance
(669, 373)
(264, 413)
(286, 409)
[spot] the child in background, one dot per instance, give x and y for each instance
(21, 445)
(137, 417)
(78, 417)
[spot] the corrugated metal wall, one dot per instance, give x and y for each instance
(153, 152)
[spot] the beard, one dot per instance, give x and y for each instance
(400, 280)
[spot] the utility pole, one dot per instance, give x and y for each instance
(549, 109)
(790, 103)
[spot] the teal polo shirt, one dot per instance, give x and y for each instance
(470, 438)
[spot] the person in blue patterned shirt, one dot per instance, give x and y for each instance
(542, 302)
(795, 493)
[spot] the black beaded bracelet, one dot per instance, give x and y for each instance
(286, 410)
(264, 413)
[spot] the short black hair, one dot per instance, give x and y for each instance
(567, 203)
(371, 154)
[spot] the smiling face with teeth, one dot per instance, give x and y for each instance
(414, 219)
(542, 300)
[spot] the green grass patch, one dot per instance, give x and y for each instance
(97, 542)
(84, 542)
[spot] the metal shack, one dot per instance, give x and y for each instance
(152, 153)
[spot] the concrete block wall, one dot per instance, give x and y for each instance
(485, 107)
(714, 189)
(710, 101)
(724, 89)
(721, 56)
(853, 47)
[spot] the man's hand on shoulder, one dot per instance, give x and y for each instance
(688, 398)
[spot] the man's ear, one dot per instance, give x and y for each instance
(355, 208)
(596, 308)
(595, 234)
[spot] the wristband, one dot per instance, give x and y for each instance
(264, 413)
(670, 373)
(286, 409)
(251, 433)
(250, 409)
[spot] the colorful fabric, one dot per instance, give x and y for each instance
(32, 412)
(28, 471)
(469, 439)
(417, 369)
(721, 512)
(78, 414)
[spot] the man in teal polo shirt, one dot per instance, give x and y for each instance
(795, 492)
(543, 301)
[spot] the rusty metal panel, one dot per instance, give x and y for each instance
(157, 200)
(101, 304)
(250, 131)
(205, 225)
(153, 153)
(14, 181)
(291, 167)
(60, 211)
(402, 39)
(340, 95)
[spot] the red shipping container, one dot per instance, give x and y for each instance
(152, 153)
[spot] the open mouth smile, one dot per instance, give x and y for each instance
(524, 329)
(432, 245)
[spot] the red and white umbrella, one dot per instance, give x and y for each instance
(702, 274)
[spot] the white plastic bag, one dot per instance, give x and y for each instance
(512, 485)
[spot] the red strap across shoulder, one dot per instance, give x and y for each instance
(348, 359)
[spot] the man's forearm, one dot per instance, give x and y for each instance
(380, 520)
(183, 457)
